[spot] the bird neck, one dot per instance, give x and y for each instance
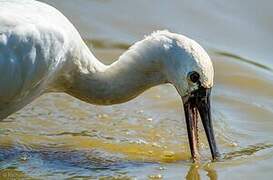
(136, 70)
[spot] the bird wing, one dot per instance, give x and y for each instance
(31, 46)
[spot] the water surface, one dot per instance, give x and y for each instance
(58, 136)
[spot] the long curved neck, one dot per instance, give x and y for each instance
(136, 70)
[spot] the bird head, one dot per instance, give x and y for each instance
(189, 68)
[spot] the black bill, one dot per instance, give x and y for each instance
(199, 101)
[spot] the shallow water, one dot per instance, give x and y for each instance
(59, 137)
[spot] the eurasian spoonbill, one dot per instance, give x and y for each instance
(41, 52)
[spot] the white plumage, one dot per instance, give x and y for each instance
(41, 51)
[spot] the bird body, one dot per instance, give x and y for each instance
(36, 44)
(41, 51)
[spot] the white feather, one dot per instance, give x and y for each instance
(41, 51)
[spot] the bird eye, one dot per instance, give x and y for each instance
(194, 76)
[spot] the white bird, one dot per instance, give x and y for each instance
(41, 52)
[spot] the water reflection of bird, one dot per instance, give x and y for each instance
(41, 51)
(193, 172)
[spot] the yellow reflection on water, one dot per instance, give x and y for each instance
(194, 172)
(12, 173)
